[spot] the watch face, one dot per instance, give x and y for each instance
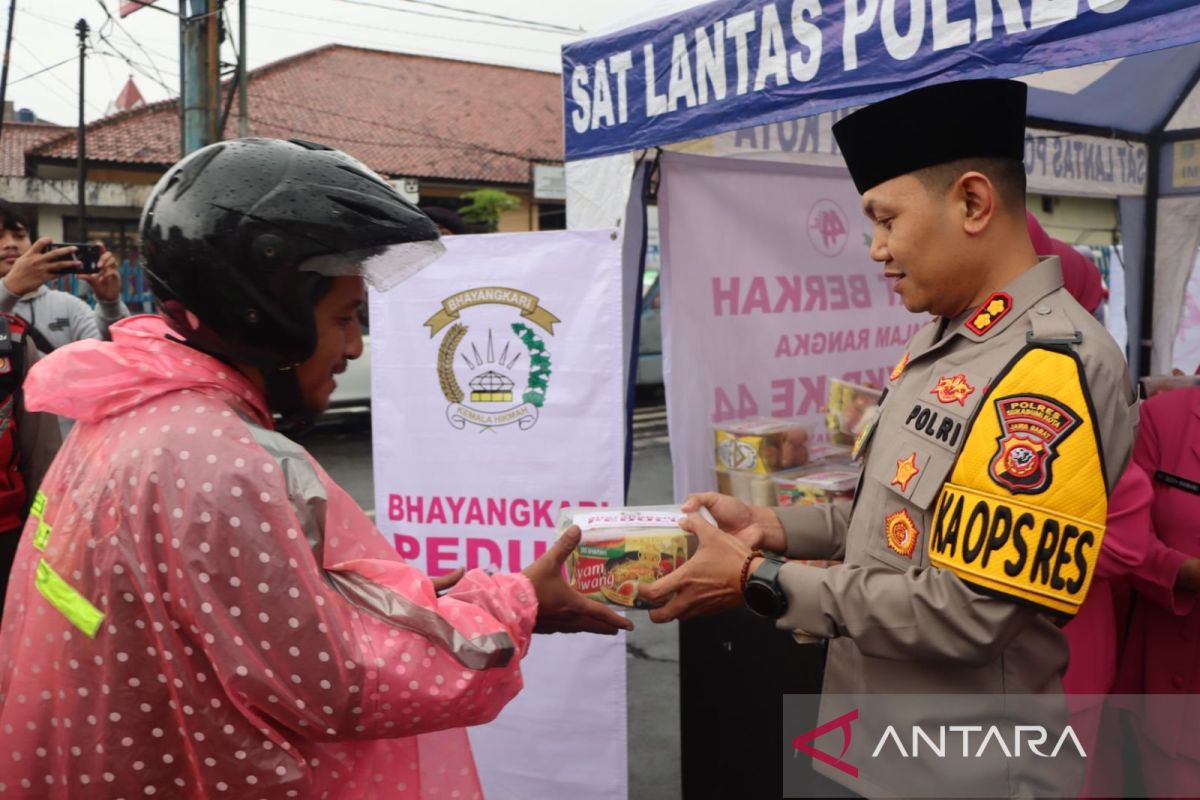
(761, 599)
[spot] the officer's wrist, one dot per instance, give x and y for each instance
(774, 540)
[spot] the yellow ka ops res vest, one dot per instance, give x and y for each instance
(1023, 511)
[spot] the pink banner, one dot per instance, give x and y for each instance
(768, 293)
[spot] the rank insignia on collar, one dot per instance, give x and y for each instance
(898, 370)
(953, 389)
(992, 311)
(901, 532)
(906, 470)
(1032, 428)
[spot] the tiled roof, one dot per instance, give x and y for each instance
(18, 137)
(402, 115)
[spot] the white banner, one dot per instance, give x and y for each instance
(768, 292)
(497, 400)
(1055, 163)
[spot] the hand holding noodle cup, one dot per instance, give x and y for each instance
(624, 548)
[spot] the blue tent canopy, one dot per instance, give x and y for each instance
(738, 63)
(1125, 69)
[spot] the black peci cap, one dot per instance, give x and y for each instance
(933, 125)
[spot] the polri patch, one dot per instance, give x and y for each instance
(1031, 429)
(901, 532)
(994, 309)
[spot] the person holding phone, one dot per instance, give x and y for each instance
(55, 317)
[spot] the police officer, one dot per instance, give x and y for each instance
(1003, 428)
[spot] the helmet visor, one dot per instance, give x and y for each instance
(381, 267)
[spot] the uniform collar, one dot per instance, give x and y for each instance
(1014, 300)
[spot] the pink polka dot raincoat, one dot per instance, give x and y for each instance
(198, 611)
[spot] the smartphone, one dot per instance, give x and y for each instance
(87, 254)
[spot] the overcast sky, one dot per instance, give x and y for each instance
(44, 36)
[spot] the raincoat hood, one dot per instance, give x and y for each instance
(92, 380)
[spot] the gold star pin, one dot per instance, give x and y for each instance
(906, 470)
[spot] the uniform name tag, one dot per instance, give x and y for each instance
(1005, 520)
(1177, 482)
(936, 425)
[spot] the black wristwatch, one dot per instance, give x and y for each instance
(762, 593)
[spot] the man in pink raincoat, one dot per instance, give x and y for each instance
(197, 610)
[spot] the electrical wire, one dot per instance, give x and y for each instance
(40, 71)
(456, 39)
(113, 21)
(530, 25)
(71, 90)
(494, 16)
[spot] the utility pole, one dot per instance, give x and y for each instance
(12, 13)
(201, 75)
(243, 114)
(81, 28)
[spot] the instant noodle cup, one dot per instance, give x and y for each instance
(761, 445)
(816, 485)
(623, 548)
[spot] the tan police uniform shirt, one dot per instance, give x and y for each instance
(896, 624)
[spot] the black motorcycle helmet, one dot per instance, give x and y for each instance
(239, 237)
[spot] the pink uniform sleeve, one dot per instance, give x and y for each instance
(1155, 578)
(1128, 535)
(314, 625)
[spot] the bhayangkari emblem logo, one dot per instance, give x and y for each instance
(504, 363)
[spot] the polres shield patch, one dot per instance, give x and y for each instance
(1031, 429)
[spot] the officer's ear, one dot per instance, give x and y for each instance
(977, 198)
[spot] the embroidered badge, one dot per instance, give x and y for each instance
(898, 370)
(906, 470)
(5, 366)
(901, 532)
(953, 389)
(1031, 429)
(992, 311)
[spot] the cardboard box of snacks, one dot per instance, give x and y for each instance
(623, 548)
(757, 490)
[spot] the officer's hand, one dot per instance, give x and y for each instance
(710, 582)
(757, 526)
(106, 284)
(561, 609)
(37, 267)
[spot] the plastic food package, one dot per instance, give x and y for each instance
(622, 548)
(758, 490)
(818, 484)
(851, 409)
(761, 445)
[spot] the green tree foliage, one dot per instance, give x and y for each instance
(485, 207)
